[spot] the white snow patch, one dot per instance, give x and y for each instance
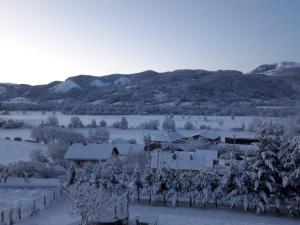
(122, 81)
(18, 100)
(64, 87)
(159, 95)
(98, 83)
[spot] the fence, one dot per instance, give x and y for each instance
(10, 216)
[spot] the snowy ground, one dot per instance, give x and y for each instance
(10, 197)
(16, 190)
(12, 151)
(59, 214)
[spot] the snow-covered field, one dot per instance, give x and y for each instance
(11, 197)
(12, 151)
(35, 118)
(60, 214)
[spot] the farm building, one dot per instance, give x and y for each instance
(168, 137)
(182, 160)
(240, 140)
(95, 153)
(209, 136)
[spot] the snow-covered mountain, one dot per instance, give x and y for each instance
(179, 91)
(278, 69)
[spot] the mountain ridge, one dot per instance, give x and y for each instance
(180, 91)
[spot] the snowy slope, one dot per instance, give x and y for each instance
(122, 81)
(20, 100)
(64, 87)
(98, 83)
(276, 69)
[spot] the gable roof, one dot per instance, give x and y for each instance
(100, 151)
(168, 136)
(208, 135)
(199, 159)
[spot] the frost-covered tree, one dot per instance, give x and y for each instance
(266, 168)
(75, 122)
(103, 123)
(57, 152)
(123, 124)
(290, 159)
(98, 135)
(201, 190)
(148, 181)
(188, 125)
(38, 156)
(93, 124)
(12, 124)
(163, 183)
(168, 123)
(231, 184)
(150, 125)
(51, 121)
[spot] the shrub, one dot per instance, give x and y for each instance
(168, 123)
(98, 135)
(150, 125)
(75, 122)
(123, 124)
(188, 125)
(103, 123)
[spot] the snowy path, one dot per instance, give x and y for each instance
(56, 214)
(186, 216)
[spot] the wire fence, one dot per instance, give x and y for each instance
(12, 215)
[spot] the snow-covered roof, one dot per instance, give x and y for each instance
(209, 135)
(100, 151)
(199, 159)
(168, 136)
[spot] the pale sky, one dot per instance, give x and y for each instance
(46, 40)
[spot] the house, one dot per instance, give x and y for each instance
(209, 136)
(95, 153)
(184, 161)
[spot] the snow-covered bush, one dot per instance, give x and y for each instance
(103, 123)
(56, 135)
(168, 123)
(93, 124)
(150, 125)
(75, 122)
(220, 122)
(188, 125)
(132, 141)
(51, 121)
(12, 124)
(98, 135)
(205, 127)
(123, 124)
